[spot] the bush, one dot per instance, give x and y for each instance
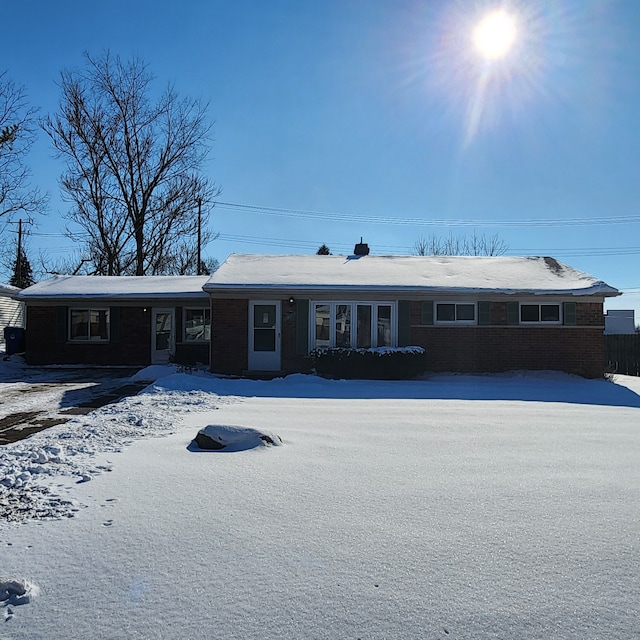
(372, 364)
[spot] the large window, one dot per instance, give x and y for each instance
(353, 324)
(89, 325)
(197, 325)
(460, 312)
(540, 313)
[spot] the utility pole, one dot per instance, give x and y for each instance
(198, 268)
(19, 259)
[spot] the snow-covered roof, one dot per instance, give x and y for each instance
(8, 290)
(116, 287)
(454, 274)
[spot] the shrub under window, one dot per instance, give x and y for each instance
(373, 364)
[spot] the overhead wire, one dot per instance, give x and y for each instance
(399, 220)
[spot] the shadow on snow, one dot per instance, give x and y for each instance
(525, 386)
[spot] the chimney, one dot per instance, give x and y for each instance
(361, 249)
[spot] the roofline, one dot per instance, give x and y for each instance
(129, 297)
(595, 290)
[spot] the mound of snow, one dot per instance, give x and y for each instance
(154, 372)
(217, 437)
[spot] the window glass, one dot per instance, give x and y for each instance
(446, 312)
(352, 324)
(99, 328)
(343, 325)
(197, 325)
(79, 324)
(465, 312)
(164, 328)
(540, 313)
(384, 326)
(89, 324)
(529, 313)
(264, 316)
(550, 313)
(364, 326)
(264, 339)
(323, 325)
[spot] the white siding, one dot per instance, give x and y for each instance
(11, 315)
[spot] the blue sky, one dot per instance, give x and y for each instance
(350, 118)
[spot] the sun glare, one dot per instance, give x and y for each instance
(494, 35)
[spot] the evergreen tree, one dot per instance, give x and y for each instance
(22, 274)
(323, 250)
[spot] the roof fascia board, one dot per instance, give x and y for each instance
(247, 291)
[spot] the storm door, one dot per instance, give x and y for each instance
(162, 335)
(264, 335)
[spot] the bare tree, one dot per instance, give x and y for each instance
(17, 134)
(133, 166)
(475, 245)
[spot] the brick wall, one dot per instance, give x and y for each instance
(498, 347)
(131, 346)
(466, 349)
(229, 336)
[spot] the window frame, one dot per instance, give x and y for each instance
(353, 304)
(540, 304)
(455, 303)
(89, 339)
(206, 310)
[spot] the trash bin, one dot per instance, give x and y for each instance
(14, 340)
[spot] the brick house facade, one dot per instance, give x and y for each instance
(490, 348)
(117, 321)
(555, 322)
(266, 314)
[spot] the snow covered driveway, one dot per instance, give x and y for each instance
(32, 398)
(459, 507)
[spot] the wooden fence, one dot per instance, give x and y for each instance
(623, 353)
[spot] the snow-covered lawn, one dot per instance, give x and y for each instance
(455, 507)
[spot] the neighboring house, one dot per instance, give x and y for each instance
(11, 311)
(470, 314)
(619, 321)
(117, 320)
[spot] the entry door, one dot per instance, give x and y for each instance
(264, 335)
(162, 335)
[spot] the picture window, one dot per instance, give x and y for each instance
(89, 325)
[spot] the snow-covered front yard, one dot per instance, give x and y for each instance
(454, 507)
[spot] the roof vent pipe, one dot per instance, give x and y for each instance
(361, 249)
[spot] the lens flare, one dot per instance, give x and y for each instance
(495, 34)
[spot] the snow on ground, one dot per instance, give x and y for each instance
(453, 507)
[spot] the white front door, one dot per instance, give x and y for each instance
(163, 338)
(264, 335)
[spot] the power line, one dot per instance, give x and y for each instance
(431, 222)
(342, 246)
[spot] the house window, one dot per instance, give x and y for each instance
(323, 325)
(359, 325)
(540, 313)
(197, 324)
(461, 312)
(343, 325)
(89, 325)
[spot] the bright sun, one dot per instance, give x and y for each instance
(494, 35)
